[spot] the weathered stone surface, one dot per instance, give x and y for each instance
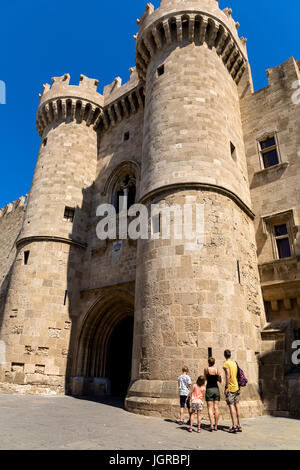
(183, 130)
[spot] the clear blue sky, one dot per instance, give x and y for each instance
(40, 40)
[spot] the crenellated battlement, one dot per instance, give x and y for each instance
(86, 86)
(121, 102)
(62, 101)
(284, 74)
(179, 22)
(11, 207)
(282, 78)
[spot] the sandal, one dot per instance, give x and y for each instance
(233, 430)
(239, 429)
(180, 423)
(211, 429)
(216, 428)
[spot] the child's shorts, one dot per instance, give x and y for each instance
(196, 407)
(183, 400)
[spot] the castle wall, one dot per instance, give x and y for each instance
(108, 265)
(276, 189)
(113, 151)
(108, 262)
(275, 110)
(11, 220)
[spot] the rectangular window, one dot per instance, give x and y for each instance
(210, 353)
(156, 223)
(282, 239)
(269, 151)
(26, 257)
(69, 214)
(281, 227)
(126, 136)
(161, 70)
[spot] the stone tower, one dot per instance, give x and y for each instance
(191, 302)
(83, 315)
(36, 322)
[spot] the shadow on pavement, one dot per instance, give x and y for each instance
(115, 402)
(204, 427)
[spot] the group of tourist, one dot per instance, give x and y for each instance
(207, 389)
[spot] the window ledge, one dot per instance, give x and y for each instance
(279, 166)
(280, 261)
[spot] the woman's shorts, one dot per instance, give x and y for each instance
(196, 407)
(212, 394)
(183, 402)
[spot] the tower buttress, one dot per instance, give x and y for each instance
(50, 247)
(194, 299)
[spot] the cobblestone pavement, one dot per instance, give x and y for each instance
(37, 422)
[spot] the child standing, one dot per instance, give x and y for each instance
(197, 395)
(184, 384)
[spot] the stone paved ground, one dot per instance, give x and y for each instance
(35, 422)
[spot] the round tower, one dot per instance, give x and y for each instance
(194, 300)
(50, 247)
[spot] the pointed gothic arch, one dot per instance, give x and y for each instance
(105, 341)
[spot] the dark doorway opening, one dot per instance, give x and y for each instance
(120, 356)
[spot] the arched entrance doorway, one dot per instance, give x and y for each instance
(105, 348)
(120, 356)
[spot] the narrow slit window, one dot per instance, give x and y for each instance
(269, 151)
(210, 352)
(161, 70)
(233, 151)
(239, 272)
(65, 298)
(69, 214)
(45, 142)
(126, 136)
(26, 257)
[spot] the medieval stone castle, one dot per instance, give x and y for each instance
(83, 316)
